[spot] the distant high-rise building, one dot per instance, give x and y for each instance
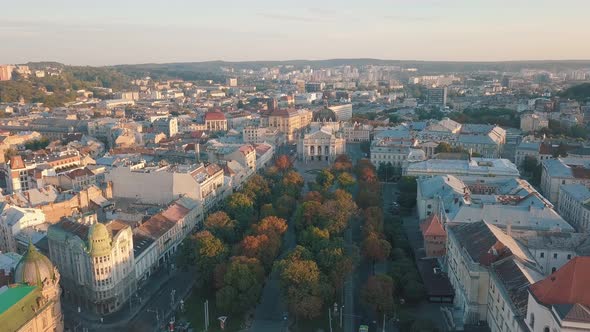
(314, 86)
(232, 81)
(437, 96)
(300, 86)
(6, 72)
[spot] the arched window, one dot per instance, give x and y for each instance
(546, 329)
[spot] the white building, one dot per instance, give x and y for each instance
(471, 250)
(507, 294)
(561, 302)
(574, 205)
(483, 167)
(320, 145)
(96, 263)
(342, 112)
(161, 185)
(13, 220)
(558, 172)
(530, 122)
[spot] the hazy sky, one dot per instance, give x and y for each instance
(139, 31)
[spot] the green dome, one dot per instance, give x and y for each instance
(34, 268)
(99, 240)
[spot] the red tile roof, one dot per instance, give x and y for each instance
(581, 173)
(16, 162)
(214, 116)
(568, 285)
(432, 226)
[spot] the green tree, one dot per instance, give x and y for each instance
(241, 208)
(221, 225)
(378, 294)
(336, 264)
(443, 147)
(243, 282)
(267, 210)
(346, 181)
(292, 184)
(285, 205)
(375, 248)
(325, 179)
(315, 238)
(209, 251)
(529, 164)
(37, 144)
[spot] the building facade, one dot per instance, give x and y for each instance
(33, 303)
(96, 263)
(320, 145)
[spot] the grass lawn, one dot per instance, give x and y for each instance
(195, 313)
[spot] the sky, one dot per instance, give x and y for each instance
(106, 32)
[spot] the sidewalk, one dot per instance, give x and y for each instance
(121, 318)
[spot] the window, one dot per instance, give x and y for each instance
(532, 321)
(553, 269)
(546, 329)
(554, 256)
(569, 256)
(542, 255)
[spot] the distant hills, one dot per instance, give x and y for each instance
(212, 69)
(424, 66)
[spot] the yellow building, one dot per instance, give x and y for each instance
(288, 121)
(33, 303)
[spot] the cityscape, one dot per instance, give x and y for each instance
(344, 193)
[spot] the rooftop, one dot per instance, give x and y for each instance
(568, 285)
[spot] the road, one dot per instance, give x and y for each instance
(268, 316)
(155, 294)
(147, 320)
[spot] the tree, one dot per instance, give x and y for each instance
(378, 294)
(186, 254)
(346, 181)
(263, 247)
(221, 225)
(271, 226)
(300, 281)
(283, 163)
(37, 144)
(315, 238)
(342, 164)
(529, 164)
(241, 208)
(409, 187)
(292, 184)
(325, 179)
(386, 171)
(309, 214)
(336, 264)
(209, 251)
(258, 189)
(373, 217)
(443, 147)
(267, 210)
(285, 206)
(375, 248)
(242, 285)
(313, 196)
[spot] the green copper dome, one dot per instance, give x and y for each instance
(34, 268)
(99, 240)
